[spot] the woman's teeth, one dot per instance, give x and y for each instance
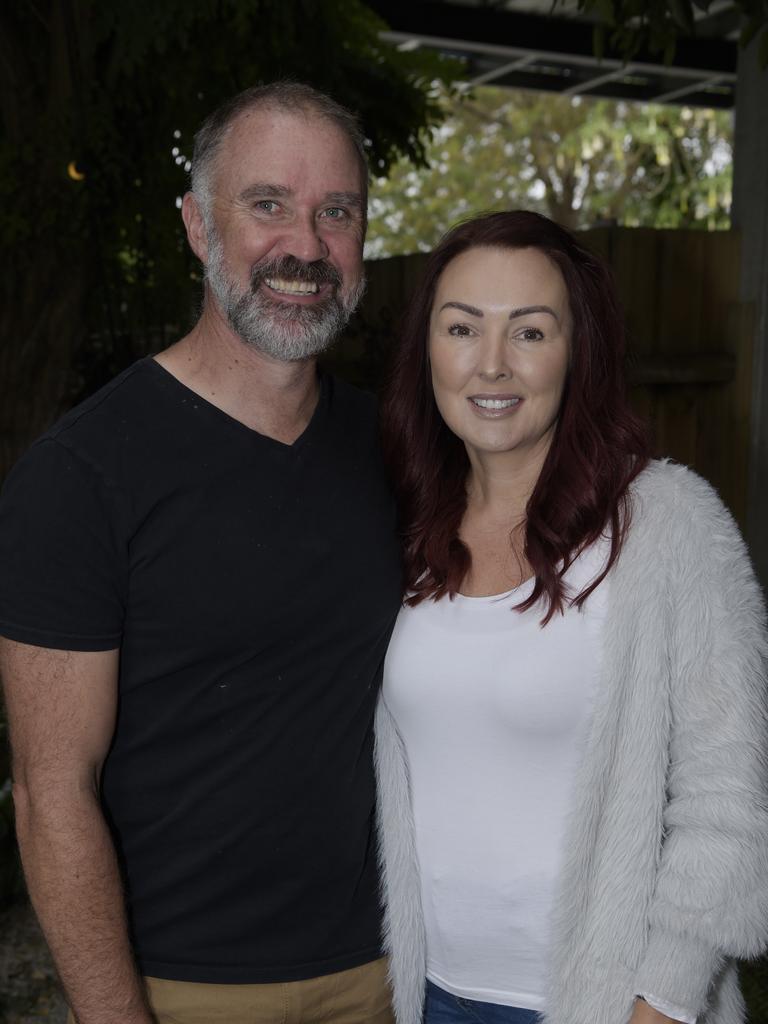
(280, 284)
(495, 403)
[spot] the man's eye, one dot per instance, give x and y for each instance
(335, 213)
(267, 205)
(459, 330)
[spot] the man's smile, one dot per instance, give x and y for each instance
(295, 291)
(291, 287)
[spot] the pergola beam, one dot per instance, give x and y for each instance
(555, 54)
(594, 83)
(504, 69)
(686, 90)
(568, 74)
(516, 53)
(519, 33)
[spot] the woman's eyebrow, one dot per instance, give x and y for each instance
(522, 311)
(472, 310)
(527, 310)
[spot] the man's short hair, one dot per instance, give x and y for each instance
(288, 96)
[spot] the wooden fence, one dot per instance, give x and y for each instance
(690, 341)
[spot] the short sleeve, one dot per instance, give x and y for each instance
(62, 572)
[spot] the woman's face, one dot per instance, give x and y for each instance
(499, 342)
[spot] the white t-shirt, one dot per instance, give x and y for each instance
(493, 710)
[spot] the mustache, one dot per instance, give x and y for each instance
(318, 272)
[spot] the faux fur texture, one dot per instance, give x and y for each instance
(665, 878)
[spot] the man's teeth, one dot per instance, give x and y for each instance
(495, 403)
(281, 284)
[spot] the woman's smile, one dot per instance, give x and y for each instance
(494, 406)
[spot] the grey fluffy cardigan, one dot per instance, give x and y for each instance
(665, 880)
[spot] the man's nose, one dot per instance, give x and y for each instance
(304, 241)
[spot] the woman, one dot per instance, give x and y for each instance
(572, 732)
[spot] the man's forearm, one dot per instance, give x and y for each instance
(75, 887)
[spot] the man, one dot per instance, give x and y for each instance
(199, 579)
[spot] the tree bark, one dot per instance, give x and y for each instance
(43, 287)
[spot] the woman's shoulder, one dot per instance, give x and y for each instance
(679, 519)
(672, 484)
(670, 494)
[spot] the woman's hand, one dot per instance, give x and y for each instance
(644, 1013)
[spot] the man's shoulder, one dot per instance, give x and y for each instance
(116, 403)
(110, 436)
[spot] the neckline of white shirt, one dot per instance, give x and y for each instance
(520, 592)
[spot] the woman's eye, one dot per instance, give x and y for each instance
(531, 334)
(459, 330)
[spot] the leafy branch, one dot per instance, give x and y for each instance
(629, 26)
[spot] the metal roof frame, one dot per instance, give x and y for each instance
(554, 54)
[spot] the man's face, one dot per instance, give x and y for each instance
(285, 232)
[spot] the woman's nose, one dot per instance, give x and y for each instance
(494, 359)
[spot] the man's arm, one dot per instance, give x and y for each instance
(61, 710)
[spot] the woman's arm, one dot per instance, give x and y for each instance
(711, 895)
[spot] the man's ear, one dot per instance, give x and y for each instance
(194, 222)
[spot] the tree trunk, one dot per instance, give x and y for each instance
(44, 282)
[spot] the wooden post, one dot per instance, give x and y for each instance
(750, 217)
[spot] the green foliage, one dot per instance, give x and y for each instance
(580, 161)
(633, 25)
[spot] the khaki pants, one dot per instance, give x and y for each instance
(360, 995)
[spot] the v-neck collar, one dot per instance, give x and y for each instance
(316, 421)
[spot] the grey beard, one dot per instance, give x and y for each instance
(282, 330)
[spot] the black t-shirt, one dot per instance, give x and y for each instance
(251, 587)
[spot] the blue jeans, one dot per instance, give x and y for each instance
(443, 1008)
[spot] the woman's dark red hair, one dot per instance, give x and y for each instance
(598, 448)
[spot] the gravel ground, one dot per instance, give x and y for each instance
(29, 991)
